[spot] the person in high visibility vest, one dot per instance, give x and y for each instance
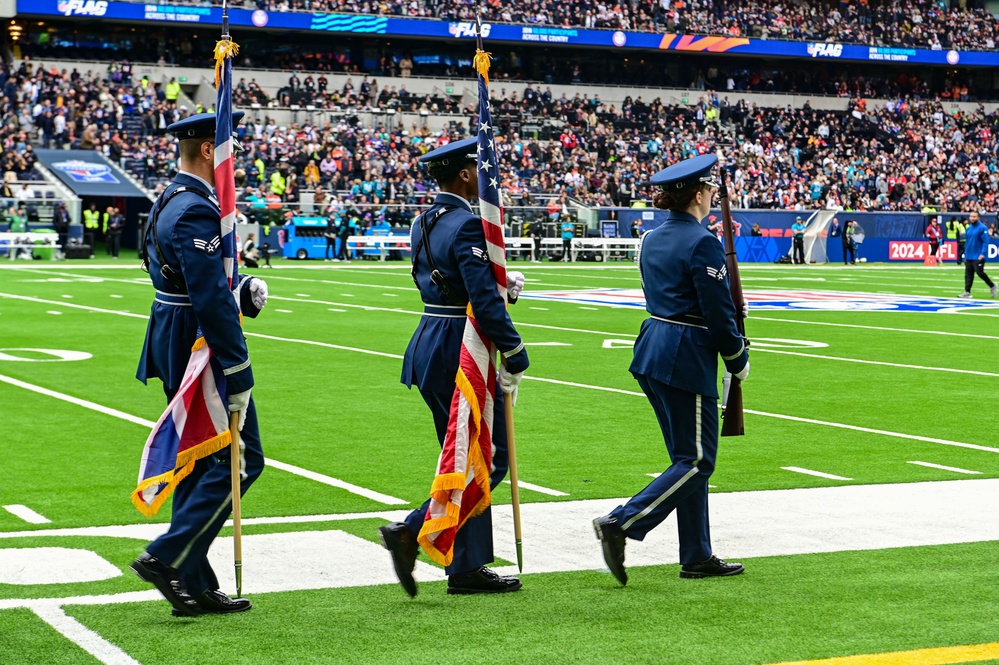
(105, 220)
(172, 90)
(278, 183)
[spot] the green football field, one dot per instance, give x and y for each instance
(862, 500)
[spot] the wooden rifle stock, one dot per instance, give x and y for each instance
(733, 421)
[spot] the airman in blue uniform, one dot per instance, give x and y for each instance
(691, 322)
(184, 258)
(451, 268)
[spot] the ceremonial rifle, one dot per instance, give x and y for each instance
(733, 421)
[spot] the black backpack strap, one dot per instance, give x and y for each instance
(436, 276)
(172, 276)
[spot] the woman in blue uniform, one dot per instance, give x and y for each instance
(691, 322)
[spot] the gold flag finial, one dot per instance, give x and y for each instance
(481, 63)
(224, 48)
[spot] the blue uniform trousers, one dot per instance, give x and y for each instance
(473, 546)
(202, 503)
(690, 428)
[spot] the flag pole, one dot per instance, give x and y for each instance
(237, 518)
(235, 465)
(511, 438)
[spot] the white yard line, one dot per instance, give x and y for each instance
(330, 281)
(80, 635)
(882, 328)
(335, 482)
(950, 370)
(946, 468)
(108, 411)
(26, 514)
(818, 474)
(537, 488)
(765, 414)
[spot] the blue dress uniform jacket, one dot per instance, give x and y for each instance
(692, 321)
(188, 230)
(458, 245)
(692, 318)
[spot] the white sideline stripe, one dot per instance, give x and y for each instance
(946, 468)
(335, 482)
(809, 472)
(311, 475)
(950, 370)
(884, 328)
(812, 421)
(537, 488)
(81, 636)
(26, 514)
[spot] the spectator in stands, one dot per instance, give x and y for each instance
(25, 193)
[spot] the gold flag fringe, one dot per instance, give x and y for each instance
(224, 48)
(481, 63)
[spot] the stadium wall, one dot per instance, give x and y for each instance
(890, 237)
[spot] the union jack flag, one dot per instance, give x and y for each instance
(196, 421)
(461, 486)
(194, 425)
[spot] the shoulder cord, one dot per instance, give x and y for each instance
(638, 257)
(436, 276)
(172, 276)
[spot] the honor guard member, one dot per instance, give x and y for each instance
(451, 268)
(184, 259)
(691, 321)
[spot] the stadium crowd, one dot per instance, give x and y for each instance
(904, 156)
(936, 24)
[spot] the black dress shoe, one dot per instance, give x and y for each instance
(612, 541)
(214, 601)
(167, 580)
(713, 567)
(482, 580)
(399, 540)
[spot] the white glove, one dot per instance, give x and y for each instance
(744, 374)
(514, 284)
(240, 402)
(509, 382)
(258, 292)
(745, 309)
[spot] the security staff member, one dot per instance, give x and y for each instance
(976, 253)
(798, 240)
(91, 221)
(186, 268)
(116, 225)
(956, 231)
(451, 269)
(692, 321)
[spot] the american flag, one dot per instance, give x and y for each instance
(196, 422)
(194, 425)
(461, 487)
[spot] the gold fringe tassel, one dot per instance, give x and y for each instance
(183, 468)
(481, 63)
(224, 49)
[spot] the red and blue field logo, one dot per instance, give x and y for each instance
(779, 300)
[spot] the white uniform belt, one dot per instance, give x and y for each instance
(175, 299)
(679, 323)
(444, 311)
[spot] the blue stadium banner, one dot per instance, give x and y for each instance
(88, 173)
(395, 27)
